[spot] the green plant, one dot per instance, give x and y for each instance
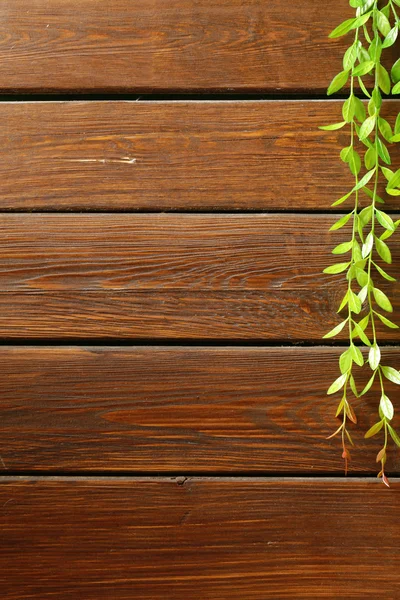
(375, 28)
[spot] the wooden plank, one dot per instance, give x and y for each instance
(171, 276)
(158, 539)
(174, 155)
(179, 45)
(180, 409)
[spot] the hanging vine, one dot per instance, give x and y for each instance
(374, 28)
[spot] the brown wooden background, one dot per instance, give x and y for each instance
(165, 204)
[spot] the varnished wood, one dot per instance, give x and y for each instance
(171, 276)
(180, 409)
(174, 155)
(179, 45)
(158, 539)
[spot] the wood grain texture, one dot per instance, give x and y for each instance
(267, 155)
(180, 409)
(179, 45)
(171, 276)
(166, 539)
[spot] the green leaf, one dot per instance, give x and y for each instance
(340, 407)
(336, 330)
(360, 21)
(370, 158)
(396, 88)
(386, 234)
(367, 127)
(362, 294)
(343, 28)
(363, 68)
(343, 248)
(367, 5)
(355, 163)
(385, 220)
(382, 23)
(386, 407)
(383, 151)
(337, 268)
(383, 251)
(385, 129)
(393, 192)
(361, 334)
(357, 355)
(372, 195)
(377, 98)
(383, 273)
(395, 72)
(394, 435)
(353, 386)
(350, 56)
(365, 216)
(394, 181)
(344, 301)
(367, 246)
(391, 374)
(395, 138)
(388, 173)
(386, 10)
(338, 82)
(357, 257)
(361, 276)
(375, 48)
(364, 180)
(364, 323)
(372, 109)
(397, 124)
(354, 302)
(359, 110)
(391, 37)
(369, 385)
(374, 429)
(332, 127)
(382, 300)
(345, 361)
(341, 222)
(337, 384)
(342, 199)
(363, 88)
(356, 3)
(349, 109)
(387, 322)
(383, 78)
(345, 153)
(374, 356)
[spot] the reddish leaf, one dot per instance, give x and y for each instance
(381, 455)
(350, 413)
(346, 454)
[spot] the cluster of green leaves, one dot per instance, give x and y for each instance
(375, 28)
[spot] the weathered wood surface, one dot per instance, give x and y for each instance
(267, 155)
(179, 45)
(166, 539)
(171, 276)
(179, 409)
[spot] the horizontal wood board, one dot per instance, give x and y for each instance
(180, 409)
(175, 46)
(254, 155)
(217, 539)
(171, 276)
